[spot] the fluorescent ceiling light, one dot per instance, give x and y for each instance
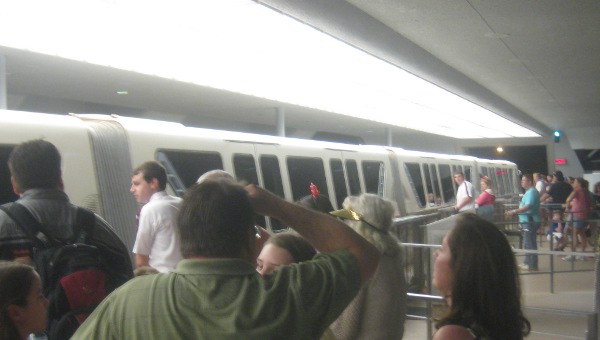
(245, 47)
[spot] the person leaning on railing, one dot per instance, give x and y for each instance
(596, 213)
(579, 204)
(485, 201)
(555, 196)
(529, 218)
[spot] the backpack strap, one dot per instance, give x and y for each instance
(85, 222)
(28, 224)
(82, 229)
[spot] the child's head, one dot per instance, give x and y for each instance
(556, 215)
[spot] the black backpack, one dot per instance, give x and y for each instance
(75, 276)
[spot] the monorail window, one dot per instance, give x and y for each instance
(303, 171)
(373, 173)
(513, 178)
(353, 180)
(184, 167)
(492, 176)
(468, 174)
(514, 181)
(508, 183)
(6, 189)
(447, 183)
(428, 181)
(500, 178)
(436, 181)
(414, 177)
(455, 169)
(484, 172)
(271, 175)
(339, 181)
(245, 168)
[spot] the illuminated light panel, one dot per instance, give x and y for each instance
(244, 47)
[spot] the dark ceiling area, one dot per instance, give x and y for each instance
(529, 159)
(590, 159)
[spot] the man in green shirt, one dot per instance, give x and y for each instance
(215, 292)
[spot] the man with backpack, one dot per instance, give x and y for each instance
(79, 257)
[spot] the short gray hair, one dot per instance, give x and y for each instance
(216, 175)
(378, 212)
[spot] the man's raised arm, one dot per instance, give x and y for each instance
(324, 232)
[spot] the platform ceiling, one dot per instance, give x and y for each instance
(535, 62)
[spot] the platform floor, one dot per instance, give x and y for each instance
(573, 291)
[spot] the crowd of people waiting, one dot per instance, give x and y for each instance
(323, 279)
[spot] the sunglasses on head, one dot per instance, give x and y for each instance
(349, 214)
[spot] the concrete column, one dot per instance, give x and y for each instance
(388, 136)
(3, 91)
(280, 122)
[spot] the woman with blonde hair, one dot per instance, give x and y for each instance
(379, 309)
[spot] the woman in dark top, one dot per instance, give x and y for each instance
(475, 271)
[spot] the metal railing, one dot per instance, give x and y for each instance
(410, 230)
(428, 318)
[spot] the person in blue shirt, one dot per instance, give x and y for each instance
(529, 218)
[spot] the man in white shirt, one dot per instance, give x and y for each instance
(540, 183)
(157, 243)
(464, 193)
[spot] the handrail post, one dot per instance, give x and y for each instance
(3, 89)
(593, 323)
(551, 274)
(592, 328)
(429, 307)
(551, 261)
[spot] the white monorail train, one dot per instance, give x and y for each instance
(100, 151)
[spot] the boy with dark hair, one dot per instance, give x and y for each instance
(156, 243)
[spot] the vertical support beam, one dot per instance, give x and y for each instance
(388, 136)
(280, 122)
(3, 91)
